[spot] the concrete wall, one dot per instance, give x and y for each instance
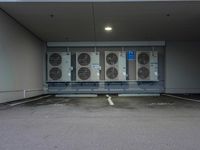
(182, 67)
(21, 64)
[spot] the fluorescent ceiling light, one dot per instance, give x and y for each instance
(108, 28)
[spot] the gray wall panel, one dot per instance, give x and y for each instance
(182, 67)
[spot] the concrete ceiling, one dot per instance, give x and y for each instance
(131, 21)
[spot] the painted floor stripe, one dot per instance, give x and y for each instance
(187, 99)
(35, 99)
(109, 100)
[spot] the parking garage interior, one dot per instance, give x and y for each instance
(87, 74)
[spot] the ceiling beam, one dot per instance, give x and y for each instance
(109, 44)
(99, 0)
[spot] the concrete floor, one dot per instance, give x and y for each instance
(134, 123)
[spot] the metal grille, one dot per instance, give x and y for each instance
(112, 73)
(84, 73)
(143, 58)
(55, 59)
(55, 73)
(143, 73)
(84, 59)
(111, 59)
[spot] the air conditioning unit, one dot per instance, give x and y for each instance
(59, 66)
(87, 66)
(147, 65)
(115, 65)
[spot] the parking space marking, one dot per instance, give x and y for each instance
(187, 99)
(31, 100)
(109, 100)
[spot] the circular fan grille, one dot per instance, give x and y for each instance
(84, 59)
(111, 59)
(55, 73)
(84, 73)
(143, 73)
(112, 73)
(55, 59)
(143, 58)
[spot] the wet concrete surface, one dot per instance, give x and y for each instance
(151, 123)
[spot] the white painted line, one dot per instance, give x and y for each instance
(109, 100)
(35, 99)
(187, 99)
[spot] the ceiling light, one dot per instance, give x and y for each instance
(108, 28)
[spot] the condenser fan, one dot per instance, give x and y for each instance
(55, 59)
(84, 59)
(112, 73)
(111, 59)
(55, 73)
(84, 73)
(143, 58)
(143, 73)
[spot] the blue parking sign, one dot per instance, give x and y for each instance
(131, 55)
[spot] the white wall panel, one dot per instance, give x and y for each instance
(21, 62)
